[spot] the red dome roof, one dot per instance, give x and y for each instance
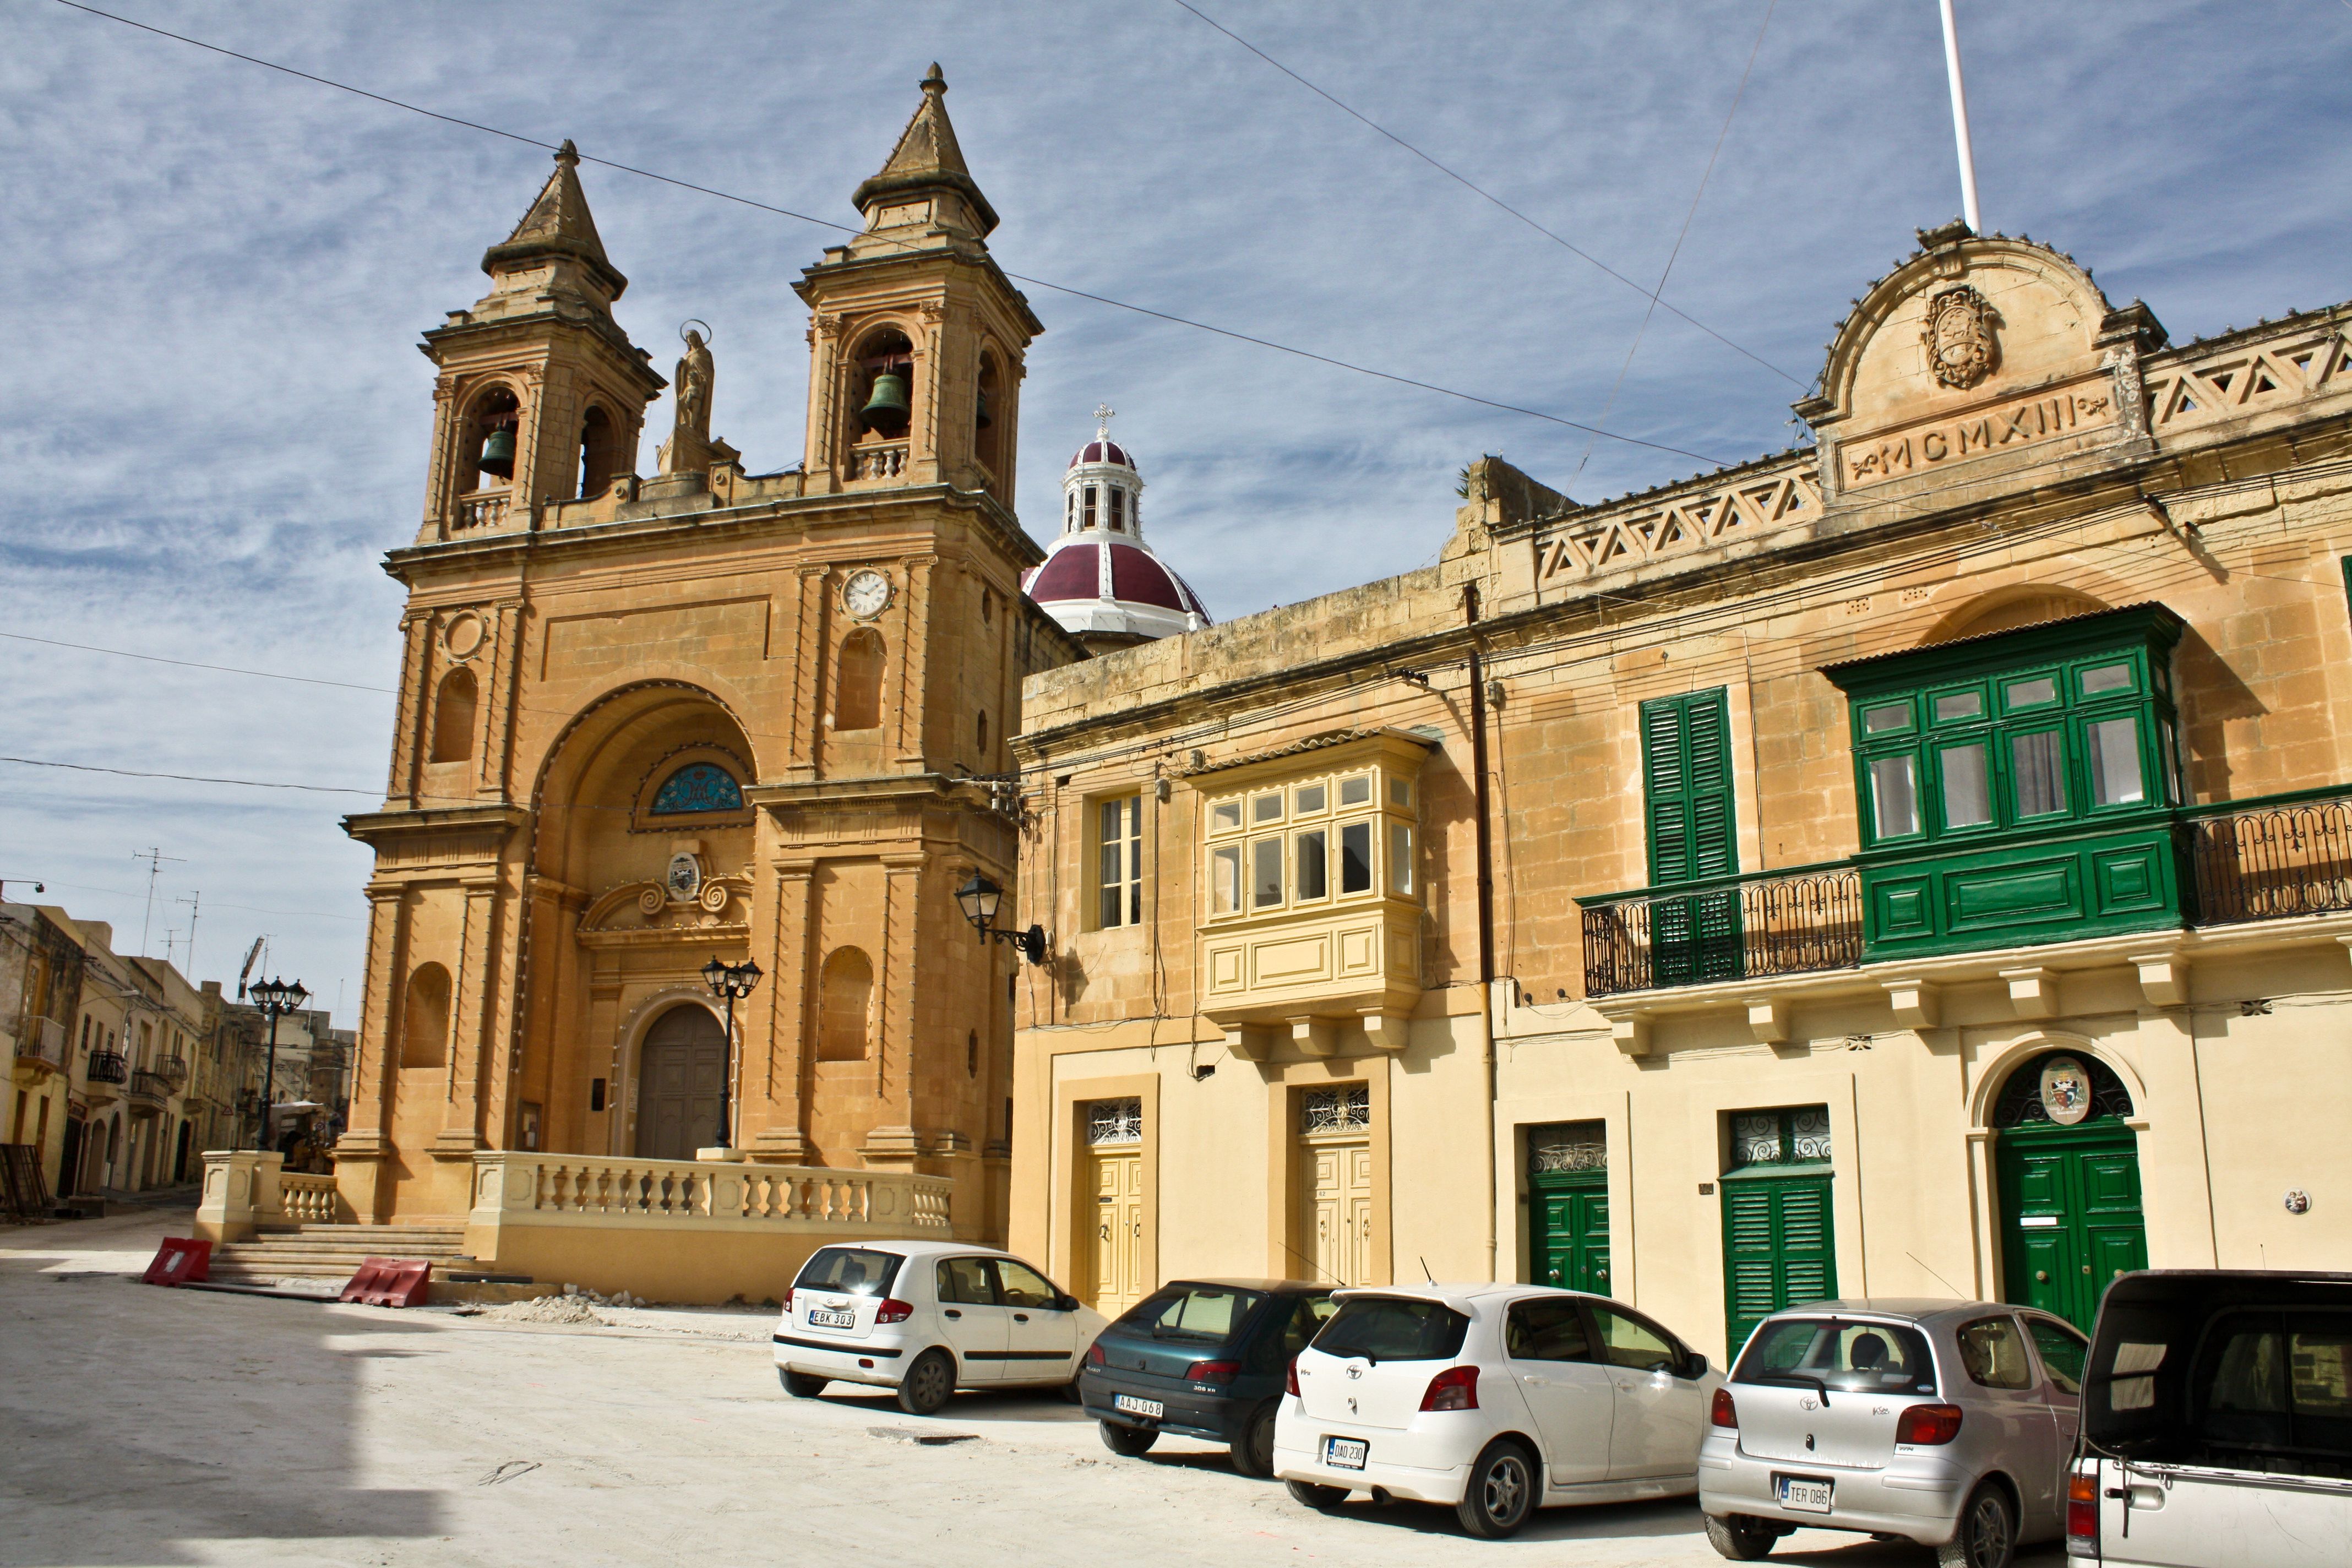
(1102, 451)
(1074, 573)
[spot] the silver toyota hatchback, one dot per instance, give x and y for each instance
(1945, 1423)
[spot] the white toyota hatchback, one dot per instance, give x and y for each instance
(1497, 1399)
(927, 1317)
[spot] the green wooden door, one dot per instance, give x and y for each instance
(1571, 1242)
(1779, 1245)
(2071, 1219)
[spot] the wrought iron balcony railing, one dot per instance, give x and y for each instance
(1774, 922)
(109, 1067)
(154, 1085)
(173, 1070)
(2270, 862)
(42, 1040)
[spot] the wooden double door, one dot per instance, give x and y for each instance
(680, 1071)
(1570, 1241)
(2070, 1213)
(1113, 1241)
(1335, 1214)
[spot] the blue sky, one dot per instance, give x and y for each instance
(216, 276)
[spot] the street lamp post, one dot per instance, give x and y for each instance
(729, 981)
(980, 900)
(276, 999)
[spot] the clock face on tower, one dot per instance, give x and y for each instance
(867, 593)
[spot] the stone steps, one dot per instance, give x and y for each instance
(335, 1251)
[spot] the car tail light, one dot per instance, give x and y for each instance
(1290, 1376)
(1928, 1426)
(1211, 1371)
(1455, 1388)
(788, 1303)
(894, 1311)
(1094, 1356)
(2083, 1511)
(1725, 1413)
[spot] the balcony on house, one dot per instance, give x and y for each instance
(41, 1045)
(150, 1089)
(109, 1067)
(2277, 858)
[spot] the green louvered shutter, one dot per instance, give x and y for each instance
(1687, 785)
(1777, 1249)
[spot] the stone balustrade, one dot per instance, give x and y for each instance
(307, 1199)
(606, 1189)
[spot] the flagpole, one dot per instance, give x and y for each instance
(1960, 119)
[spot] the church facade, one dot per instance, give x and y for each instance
(648, 725)
(1918, 863)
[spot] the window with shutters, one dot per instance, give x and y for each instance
(1119, 862)
(1778, 1242)
(1693, 837)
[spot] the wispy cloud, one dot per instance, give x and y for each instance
(216, 277)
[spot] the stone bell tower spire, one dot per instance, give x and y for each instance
(916, 336)
(541, 395)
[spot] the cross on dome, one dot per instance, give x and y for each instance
(1104, 414)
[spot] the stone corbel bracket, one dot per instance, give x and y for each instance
(1917, 1005)
(2032, 992)
(1632, 1034)
(1387, 1031)
(2163, 979)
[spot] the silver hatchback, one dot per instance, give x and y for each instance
(1946, 1423)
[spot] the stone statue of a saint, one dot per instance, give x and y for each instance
(687, 450)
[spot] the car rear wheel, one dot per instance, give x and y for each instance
(802, 1385)
(1501, 1491)
(1740, 1538)
(1321, 1499)
(1988, 1532)
(1127, 1442)
(1254, 1449)
(928, 1382)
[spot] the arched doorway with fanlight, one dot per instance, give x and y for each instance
(680, 1069)
(2066, 1160)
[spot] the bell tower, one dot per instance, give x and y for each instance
(542, 395)
(917, 337)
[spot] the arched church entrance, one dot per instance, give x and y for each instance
(679, 1070)
(2067, 1162)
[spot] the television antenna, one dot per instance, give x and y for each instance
(155, 858)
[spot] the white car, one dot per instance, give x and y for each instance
(1497, 1399)
(927, 1317)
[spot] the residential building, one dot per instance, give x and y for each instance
(1916, 863)
(40, 998)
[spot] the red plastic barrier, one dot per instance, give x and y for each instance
(390, 1283)
(177, 1262)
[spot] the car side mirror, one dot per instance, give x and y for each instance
(1065, 1303)
(1696, 1367)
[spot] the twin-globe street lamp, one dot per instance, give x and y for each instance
(729, 980)
(276, 999)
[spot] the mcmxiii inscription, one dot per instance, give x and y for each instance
(1999, 427)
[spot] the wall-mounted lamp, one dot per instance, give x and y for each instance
(980, 900)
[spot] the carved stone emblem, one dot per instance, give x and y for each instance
(1961, 349)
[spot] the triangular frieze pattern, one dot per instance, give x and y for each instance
(2247, 379)
(1700, 520)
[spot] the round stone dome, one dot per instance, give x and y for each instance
(1102, 450)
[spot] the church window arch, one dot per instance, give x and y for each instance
(696, 787)
(983, 736)
(881, 411)
(858, 681)
(454, 707)
(486, 440)
(845, 1006)
(600, 452)
(425, 1021)
(988, 416)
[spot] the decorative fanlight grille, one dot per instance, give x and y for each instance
(2020, 1098)
(1567, 1146)
(1798, 1135)
(1114, 1122)
(1347, 1109)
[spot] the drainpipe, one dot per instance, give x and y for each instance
(1485, 915)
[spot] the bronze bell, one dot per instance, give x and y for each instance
(498, 454)
(986, 418)
(887, 409)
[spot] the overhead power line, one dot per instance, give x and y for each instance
(1485, 194)
(192, 664)
(1073, 292)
